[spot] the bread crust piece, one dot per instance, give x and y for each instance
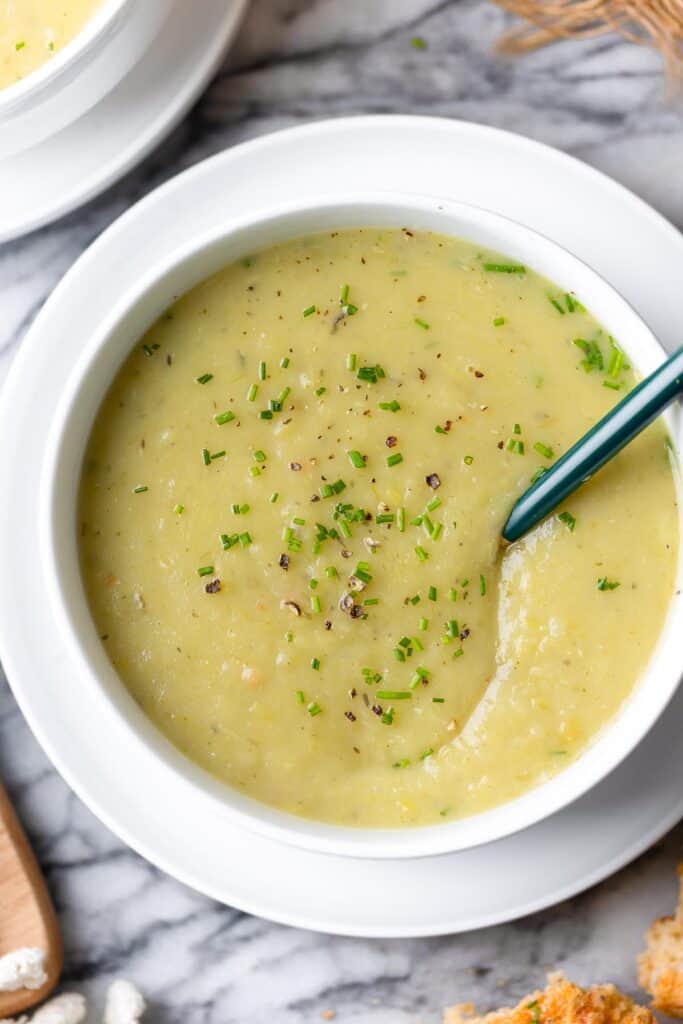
(561, 1002)
(660, 967)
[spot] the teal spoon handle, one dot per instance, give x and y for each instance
(602, 442)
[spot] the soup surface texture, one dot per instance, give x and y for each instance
(290, 515)
(31, 31)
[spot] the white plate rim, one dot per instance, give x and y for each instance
(251, 150)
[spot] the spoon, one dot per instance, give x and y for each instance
(602, 442)
(27, 917)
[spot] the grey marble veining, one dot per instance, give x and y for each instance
(198, 962)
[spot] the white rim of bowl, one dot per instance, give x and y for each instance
(545, 799)
(94, 28)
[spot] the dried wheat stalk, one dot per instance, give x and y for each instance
(656, 22)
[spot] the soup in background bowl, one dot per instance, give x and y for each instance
(289, 521)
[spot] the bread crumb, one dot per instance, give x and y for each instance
(660, 967)
(561, 1002)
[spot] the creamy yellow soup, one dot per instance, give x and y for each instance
(32, 31)
(290, 519)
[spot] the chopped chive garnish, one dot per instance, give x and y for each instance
(284, 362)
(218, 455)
(314, 709)
(300, 696)
(204, 379)
(616, 361)
(309, 310)
(432, 594)
(452, 594)
(438, 700)
(426, 753)
(371, 373)
(515, 445)
(418, 43)
(289, 637)
(505, 268)
(205, 570)
(259, 456)
(611, 384)
(538, 474)
(421, 553)
(452, 628)
(265, 414)
(282, 397)
(206, 456)
(19, 46)
(459, 653)
(261, 370)
(421, 323)
(385, 517)
(273, 498)
(571, 305)
(331, 572)
(568, 519)
(423, 624)
(320, 391)
(351, 361)
(140, 489)
(403, 763)
(415, 599)
(605, 584)
(417, 643)
(254, 471)
(299, 522)
(394, 695)
(401, 519)
(245, 540)
(498, 321)
(315, 663)
(555, 303)
(393, 460)
(371, 600)
(392, 406)
(544, 450)
(356, 459)
(178, 509)
(343, 294)
(252, 392)
(436, 531)
(316, 606)
(433, 504)
(482, 585)
(468, 460)
(224, 417)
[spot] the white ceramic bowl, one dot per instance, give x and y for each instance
(86, 388)
(80, 74)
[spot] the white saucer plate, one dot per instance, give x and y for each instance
(616, 821)
(66, 170)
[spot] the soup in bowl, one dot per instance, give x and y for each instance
(272, 520)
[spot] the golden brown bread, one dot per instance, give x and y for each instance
(660, 967)
(561, 1002)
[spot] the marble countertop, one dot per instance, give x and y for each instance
(198, 962)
